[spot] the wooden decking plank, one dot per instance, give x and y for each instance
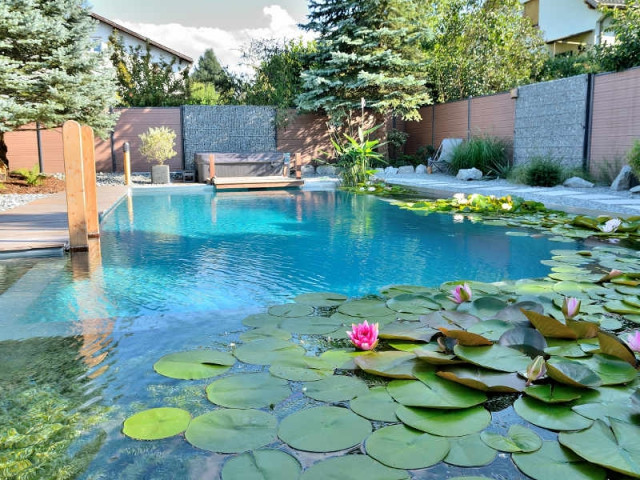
(223, 183)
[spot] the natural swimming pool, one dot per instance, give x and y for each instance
(181, 271)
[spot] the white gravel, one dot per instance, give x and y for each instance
(9, 201)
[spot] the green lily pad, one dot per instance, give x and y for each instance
(365, 309)
(323, 429)
(400, 447)
(484, 380)
(337, 388)
(469, 451)
(526, 340)
(447, 319)
(491, 329)
(265, 332)
(436, 358)
(532, 287)
(495, 357)
(564, 348)
(433, 392)
(616, 447)
(409, 346)
(395, 290)
(321, 299)
(156, 423)
(262, 465)
(412, 303)
(391, 364)
(483, 307)
(301, 369)
(291, 310)
(342, 358)
(549, 326)
(352, 467)
(376, 404)
(310, 325)
(266, 351)
(548, 415)
(611, 370)
(466, 338)
(553, 393)
(571, 372)
(445, 423)
(194, 364)
(554, 461)
(623, 308)
(248, 390)
(518, 439)
(612, 345)
(403, 330)
(513, 313)
(262, 320)
(620, 410)
(232, 431)
(487, 288)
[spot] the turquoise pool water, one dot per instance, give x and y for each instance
(180, 271)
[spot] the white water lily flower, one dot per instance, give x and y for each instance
(457, 218)
(507, 206)
(372, 189)
(611, 226)
(460, 197)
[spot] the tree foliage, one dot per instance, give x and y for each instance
(366, 49)
(157, 144)
(48, 72)
(144, 81)
(212, 84)
(625, 25)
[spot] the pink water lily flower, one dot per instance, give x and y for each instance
(536, 369)
(364, 336)
(570, 307)
(461, 294)
(633, 340)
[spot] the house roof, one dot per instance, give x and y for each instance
(606, 3)
(119, 27)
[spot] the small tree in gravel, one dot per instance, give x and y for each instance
(157, 144)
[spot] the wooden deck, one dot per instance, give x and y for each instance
(229, 183)
(42, 224)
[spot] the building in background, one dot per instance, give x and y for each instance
(569, 26)
(132, 39)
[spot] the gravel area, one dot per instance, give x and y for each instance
(12, 201)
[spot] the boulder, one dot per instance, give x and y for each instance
(390, 171)
(577, 182)
(421, 169)
(623, 180)
(635, 189)
(469, 174)
(326, 170)
(307, 170)
(406, 170)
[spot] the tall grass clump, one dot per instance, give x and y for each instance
(487, 154)
(633, 157)
(543, 171)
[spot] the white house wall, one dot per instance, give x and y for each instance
(559, 19)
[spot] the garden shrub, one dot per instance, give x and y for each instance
(32, 177)
(357, 156)
(633, 157)
(543, 172)
(157, 144)
(487, 154)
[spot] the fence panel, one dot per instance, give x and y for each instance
(493, 115)
(421, 132)
(451, 120)
(306, 134)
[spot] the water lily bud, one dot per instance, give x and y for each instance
(633, 340)
(570, 307)
(536, 369)
(461, 294)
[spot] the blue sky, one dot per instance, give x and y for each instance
(191, 26)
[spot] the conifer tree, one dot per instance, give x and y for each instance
(48, 71)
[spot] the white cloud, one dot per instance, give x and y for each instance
(226, 44)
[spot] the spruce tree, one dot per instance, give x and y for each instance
(367, 49)
(48, 71)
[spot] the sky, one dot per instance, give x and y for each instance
(192, 26)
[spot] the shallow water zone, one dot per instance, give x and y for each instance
(180, 272)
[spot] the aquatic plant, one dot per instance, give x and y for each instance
(633, 340)
(364, 336)
(461, 293)
(570, 307)
(536, 369)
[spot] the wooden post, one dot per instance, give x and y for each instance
(212, 166)
(298, 166)
(287, 162)
(74, 180)
(90, 193)
(127, 164)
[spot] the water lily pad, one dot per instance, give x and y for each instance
(518, 439)
(231, 430)
(337, 388)
(532, 287)
(395, 290)
(403, 330)
(495, 357)
(432, 357)
(620, 410)
(400, 447)
(366, 308)
(248, 390)
(554, 393)
(492, 329)
(484, 380)
(466, 338)
(571, 372)
(612, 345)
(445, 423)
(554, 461)
(487, 288)
(301, 369)
(434, 392)
(564, 348)
(611, 370)
(291, 310)
(266, 351)
(194, 364)
(376, 404)
(447, 319)
(262, 465)
(352, 467)
(342, 358)
(551, 416)
(412, 303)
(265, 332)
(310, 325)
(526, 340)
(483, 307)
(409, 346)
(323, 429)
(391, 364)
(262, 320)
(321, 299)
(622, 308)
(513, 313)
(469, 451)
(549, 326)
(615, 446)
(156, 423)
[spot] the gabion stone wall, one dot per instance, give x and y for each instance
(550, 121)
(225, 128)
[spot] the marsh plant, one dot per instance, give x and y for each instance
(633, 157)
(487, 154)
(357, 155)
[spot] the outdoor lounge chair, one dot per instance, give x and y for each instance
(440, 160)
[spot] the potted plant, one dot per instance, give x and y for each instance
(157, 145)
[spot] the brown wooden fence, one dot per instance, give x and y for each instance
(306, 134)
